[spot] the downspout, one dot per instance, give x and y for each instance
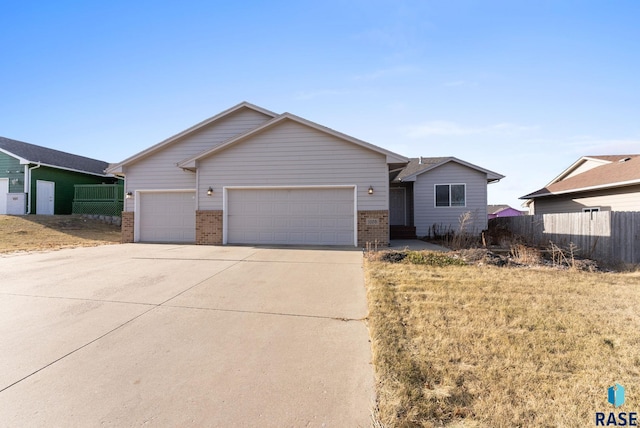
(27, 182)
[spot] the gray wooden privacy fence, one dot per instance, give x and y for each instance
(605, 236)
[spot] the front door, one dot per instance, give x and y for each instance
(397, 206)
(45, 197)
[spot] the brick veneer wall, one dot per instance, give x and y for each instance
(127, 227)
(209, 227)
(372, 226)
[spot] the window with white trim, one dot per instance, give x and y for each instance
(450, 195)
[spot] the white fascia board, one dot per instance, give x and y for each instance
(74, 170)
(491, 176)
(390, 156)
(23, 161)
(118, 167)
(575, 165)
(589, 188)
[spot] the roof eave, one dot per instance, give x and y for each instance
(582, 189)
(391, 157)
(105, 175)
(163, 143)
(22, 160)
(574, 166)
(491, 176)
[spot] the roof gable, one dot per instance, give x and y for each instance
(177, 137)
(615, 171)
(417, 166)
(493, 209)
(32, 154)
(191, 162)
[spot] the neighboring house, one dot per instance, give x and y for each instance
(433, 195)
(494, 211)
(39, 180)
(251, 176)
(592, 183)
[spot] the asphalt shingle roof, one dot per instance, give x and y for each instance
(417, 165)
(56, 158)
(610, 174)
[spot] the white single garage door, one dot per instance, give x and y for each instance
(300, 216)
(167, 217)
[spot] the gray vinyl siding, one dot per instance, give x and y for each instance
(159, 171)
(292, 154)
(426, 214)
(620, 199)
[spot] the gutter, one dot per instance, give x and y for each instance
(27, 179)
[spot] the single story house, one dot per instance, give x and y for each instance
(592, 183)
(494, 211)
(433, 194)
(252, 176)
(39, 180)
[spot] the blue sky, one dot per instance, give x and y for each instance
(523, 88)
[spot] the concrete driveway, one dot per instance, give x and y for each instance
(170, 335)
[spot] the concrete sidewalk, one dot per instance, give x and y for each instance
(170, 335)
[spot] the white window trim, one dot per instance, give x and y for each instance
(449, 184)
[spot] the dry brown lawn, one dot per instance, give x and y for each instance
(40, 233)
(501, 347)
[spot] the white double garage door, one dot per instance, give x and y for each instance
(264, 216)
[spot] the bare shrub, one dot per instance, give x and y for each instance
(462, 238)
(525, 255)
(564, 256)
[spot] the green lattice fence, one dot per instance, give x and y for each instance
(102, 199)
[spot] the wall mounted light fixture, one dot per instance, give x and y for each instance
(209, 191)
(371, 190)
(129, 195)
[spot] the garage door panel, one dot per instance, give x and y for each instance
(167, 217)
(291, 216)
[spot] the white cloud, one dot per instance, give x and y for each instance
(445, 128)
